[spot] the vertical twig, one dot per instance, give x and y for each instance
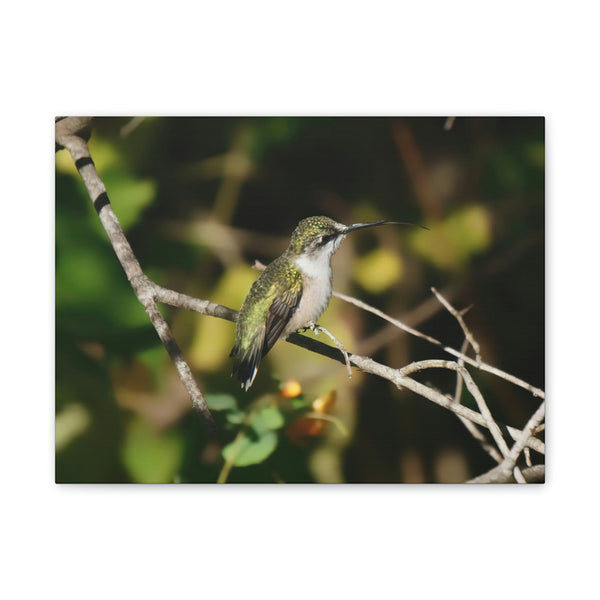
(471, 427)
(458, 315)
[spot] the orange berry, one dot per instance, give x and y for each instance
(291, 389)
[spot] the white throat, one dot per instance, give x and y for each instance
(317, 264)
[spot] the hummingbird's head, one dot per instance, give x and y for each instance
(322, 235)
(315, 235)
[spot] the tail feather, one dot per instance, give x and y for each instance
(246, 360)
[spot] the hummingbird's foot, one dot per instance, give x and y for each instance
(312, 326)
(316, 328)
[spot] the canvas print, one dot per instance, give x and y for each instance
(300, 300)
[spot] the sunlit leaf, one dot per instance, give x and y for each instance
(267, 418)
(129, 195)
(63, 163)
(150, 456)
(70, 423)
(324, 404)
(221, 401)
(104, 152)
(451, 243)
(378, 270)
(235, 418)
(245, 451)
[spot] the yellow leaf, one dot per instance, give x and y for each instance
(324, 404)
(69, 424)
(151, 456)
(451, 243)
(378, 270)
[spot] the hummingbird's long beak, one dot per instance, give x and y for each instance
(350, 228)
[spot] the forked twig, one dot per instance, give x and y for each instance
(507, 468)
(481, 365)
(458, 315)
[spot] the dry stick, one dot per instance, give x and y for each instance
(458, 315)
(505, 470)
(521, 443)
(471, 428)
(471, 386)
(68, 135)
(483, 366)
(401, 381)
(316, 328)
(458, 388)
(534, 474)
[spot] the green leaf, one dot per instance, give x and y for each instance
(235, 417)
(149, 456)
(221, 402)
(267, 419)
(245, 451)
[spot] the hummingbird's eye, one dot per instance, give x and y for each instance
(322, 240)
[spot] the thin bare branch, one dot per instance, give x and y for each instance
(471, 427)
(459, 317)
(483, 366)
(506, 469)
(316, 328)
(471, 386)
(534, 474)
(402, 381)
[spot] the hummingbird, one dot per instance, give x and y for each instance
(290, 294)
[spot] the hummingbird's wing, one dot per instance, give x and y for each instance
(272, 313)
(280, 313)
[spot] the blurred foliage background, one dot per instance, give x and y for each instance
(200, 199)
